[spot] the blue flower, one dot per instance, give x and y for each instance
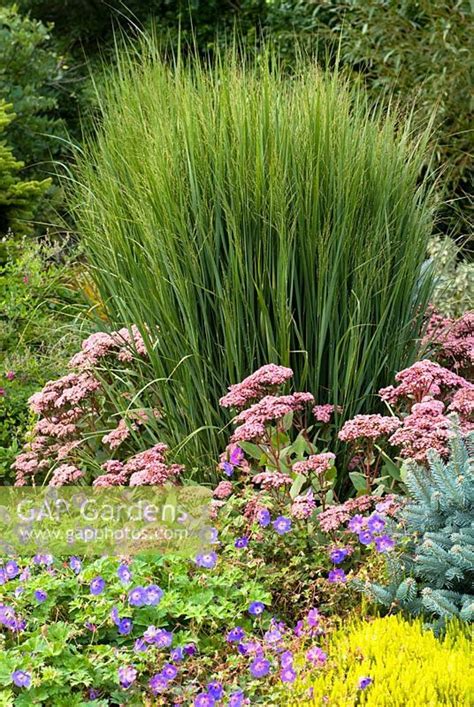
(154, 595)
(286, 659)
(282, 525)
(125, 626)
(235, 635)
(337, 576)
(288, 675)
(114, 615)
(97, 586)
(356, 523)
(3, 576)
(190, 649)
(207, 560)
(75, 564)
(11, 569)
(364, 682)
(204, 699)
(127, 676)
(256, 608)
(124, 574)
(263, 517)
(158, 683)
(384, 543)
(366, 537)
(21, 678)
(236, 699)
(228, 468)
(215, 689)
(137, 596)
(259, 667)
(169, 671)
(40, 596)
(242, 542)
(338, 556)
(376, 523)
(140, 646)
(177, 654)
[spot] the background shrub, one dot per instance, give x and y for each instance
(37, 304)
(254, 219)
(19, 198)
(31, 72)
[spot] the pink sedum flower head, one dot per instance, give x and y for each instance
(256, 386)
(368, 427)
(423, 378)
(316, 463)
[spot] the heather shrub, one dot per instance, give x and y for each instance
(392, 661)
(247, 241)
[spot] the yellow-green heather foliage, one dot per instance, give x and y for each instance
(408, 666)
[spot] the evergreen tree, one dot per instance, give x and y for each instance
(18, 198)
(435, 573)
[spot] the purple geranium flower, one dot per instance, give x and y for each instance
(40, 596)
(313, 617)
(282, 525)
(97, 586)
(125, 626)
(384, 543)
(124, 574)
(154, 595)
(286, 659)
(158, 683)
(236, 456)
(164, 638)
(263, 517)
(365, 682)
(338, 556)
(114, 615)
(43, 560)
(11, 569)
(288, 675)
(169, 671)
(127, 676)
(204, 699)
(140, 646)
(235, 634)
(356, 523)
(75, 564)
(215, 689)
(208, 560)
(190, 649)
(316, 655)
(259, 667)
(365, 537)
(256, 608)
(241, 542)
(137, 596)
(376, 523)
(3, 576)
(236, 699)
(337, 576)
(272, 636)
(227, 468)
(21, 678)
(177, 654)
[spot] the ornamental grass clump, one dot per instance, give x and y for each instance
(254, 218)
